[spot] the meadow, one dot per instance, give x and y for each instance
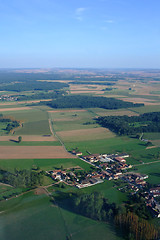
(38, 218)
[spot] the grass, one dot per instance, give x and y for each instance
(30, 143)
(3, 126)
(45, 164)
(152, 170)
(35, 122)
(108, 190)
(63, 121)
(112, 145)
(145, 109)
(34, 128)
(38, 219)
(152, 136)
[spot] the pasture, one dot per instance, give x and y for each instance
(44, 164)
(72, 120)
(111, 145)
(86, 134)
(152, 170)
(35, 122)
(39, 219)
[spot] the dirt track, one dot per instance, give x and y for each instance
(33, 152)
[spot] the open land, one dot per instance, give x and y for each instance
(86, 134)
(74, 129)
(24, 152)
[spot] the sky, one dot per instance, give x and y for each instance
(79, 33)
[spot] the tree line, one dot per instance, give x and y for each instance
(127, 223)
(125, 125)
(80, 101)
(41, 95)
(22, 178)
(11, 123)
(33, 85)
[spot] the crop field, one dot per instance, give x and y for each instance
(145, 109)
(73, 120)
(118, 112)
(30, 138)
(86, 134)
(28, 143)
(38, 218)
(24, 152)
(45, 164)
(112, 145)
(35, 122)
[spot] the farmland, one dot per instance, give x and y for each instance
(48, 135)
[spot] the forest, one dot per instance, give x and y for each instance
(80, 101)
(33, 85)
(93, 83)
(11, 123)
(127, 223)
(41, 95)
(22, 178)
(125, 125)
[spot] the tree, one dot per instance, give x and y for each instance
(19, 139)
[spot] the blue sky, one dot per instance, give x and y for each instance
(80, 33)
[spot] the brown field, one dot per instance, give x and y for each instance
(40, 191)
(14, 109)
(33, 152)
(156, 142)
(29, 138)
(86, 134)
(69, 110)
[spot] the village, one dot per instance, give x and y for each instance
(109, 167)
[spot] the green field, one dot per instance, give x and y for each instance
(152, 170)
(145, 109)
(34, 217)
(35, 122)
(30, 143)
(112, 145)
(152, 136)
(45, 164)
(63, 121)
(3, 126)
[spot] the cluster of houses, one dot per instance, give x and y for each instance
(137, 182)
(7, 98)
(112, 165)
(79, 179)
(151, 201)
